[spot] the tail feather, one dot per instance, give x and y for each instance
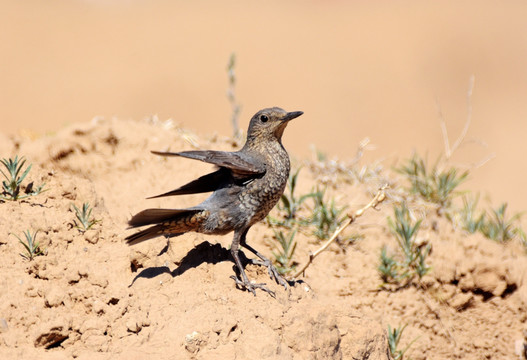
(159, 217)
(155, 216)
(147, 234)
(143, 235)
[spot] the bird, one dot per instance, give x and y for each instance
(245, 186)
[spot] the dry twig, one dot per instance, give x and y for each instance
(461, 140)
(377, 199)
(450, 150)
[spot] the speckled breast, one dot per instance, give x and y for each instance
(264, 193)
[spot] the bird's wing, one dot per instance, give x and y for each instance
(239, 164)
(206, 183)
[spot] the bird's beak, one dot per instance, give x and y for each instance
(291, 115)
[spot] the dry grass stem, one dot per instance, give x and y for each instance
(237, 133)
(377, 199)
(448, 149)
(363, 145)
(461, 140)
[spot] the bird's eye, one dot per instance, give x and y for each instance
(264, 118)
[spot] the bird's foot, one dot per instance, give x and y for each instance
(273, 272)
(249, 286)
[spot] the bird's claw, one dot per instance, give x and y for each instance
(273, 272)
(249, 286)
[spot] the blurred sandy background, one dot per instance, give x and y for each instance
(356, 69)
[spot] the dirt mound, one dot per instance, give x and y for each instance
(92, 296)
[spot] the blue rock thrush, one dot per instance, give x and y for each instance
(246, 186)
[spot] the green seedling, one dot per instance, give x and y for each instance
(32, 248)
(471, 222)
(405, 230)
(413, 255)
(389, 268)
(285, 251)
(327, 217)
(434, 185)
(394, 337)
(84, 216)
(500, 228)
(290, 204)
(14, 176)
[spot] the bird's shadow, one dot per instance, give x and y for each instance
(202, 253)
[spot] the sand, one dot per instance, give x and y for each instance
(91, 296)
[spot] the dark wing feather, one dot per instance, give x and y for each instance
(240, 164)
(206, 183)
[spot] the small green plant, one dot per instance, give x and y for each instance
(421, 268)
(470, 221)
(500, 228)
(84, 216)
(413, 255)
(494, 224)
(394, 337)
(434, 185)
(13, 180)
(290, 204)
(405, 230)
(327, 217)
(288, 207)
(285, 252)
(32, 248)
(389, 268)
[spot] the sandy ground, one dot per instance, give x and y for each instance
(93, 297)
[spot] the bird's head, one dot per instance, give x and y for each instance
(270, 123)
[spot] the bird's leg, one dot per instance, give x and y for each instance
(244, 282)
(271, 269)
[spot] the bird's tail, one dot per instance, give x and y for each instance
(147, 234)
(171, 222)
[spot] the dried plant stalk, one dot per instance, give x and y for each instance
(377, 199)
